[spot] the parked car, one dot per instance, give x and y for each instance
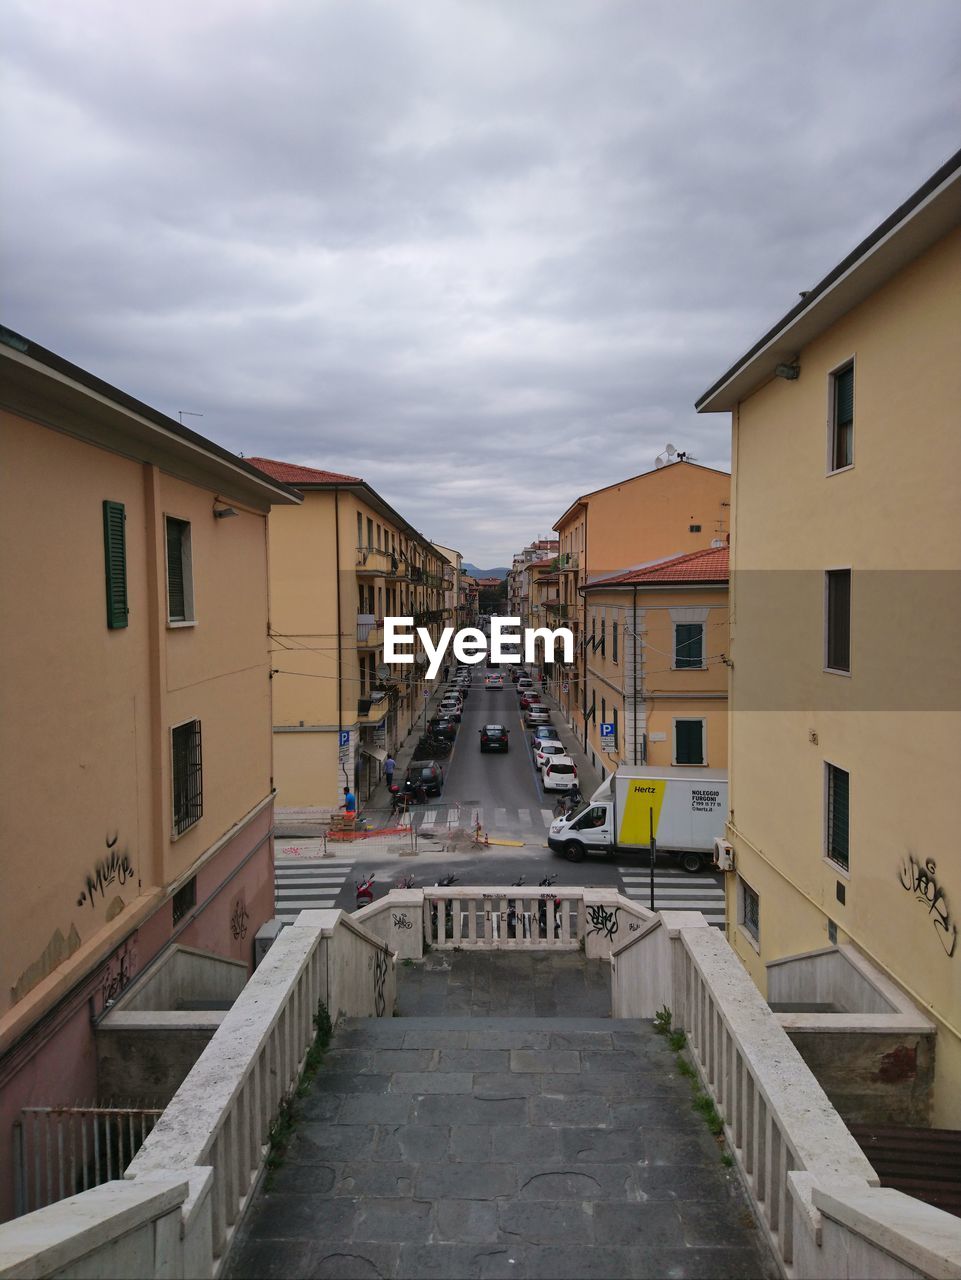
(444, 727)
(546, 751)
(457, 690)
(544, 733)
(529, 697)
(524, 682)
(560, 774)
(451, 707)
(494, 737)
(537, 715)
(494, 682)
(428, 773)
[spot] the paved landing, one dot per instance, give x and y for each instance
(537, 984)
(491, 1147)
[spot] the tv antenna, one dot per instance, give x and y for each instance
(186, 413)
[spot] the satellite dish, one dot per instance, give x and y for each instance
(670, 450)
(659, 462)
(383, 671)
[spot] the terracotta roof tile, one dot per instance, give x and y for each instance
(291, 473)
(709, 565)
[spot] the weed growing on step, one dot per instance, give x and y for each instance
(702, 1102)
(282, 1130)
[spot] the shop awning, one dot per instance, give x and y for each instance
(376, 753)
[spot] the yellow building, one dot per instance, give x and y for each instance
(339, 565)
(845, 751)
(655, 652)
(136, 784)
(455, 610)
(662, 513)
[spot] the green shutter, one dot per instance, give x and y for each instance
(839, 820)
(689, 737)
(176, 603)
(115, 564)
(844, 396)
(688, 644)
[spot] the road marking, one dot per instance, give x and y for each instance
(548, 816)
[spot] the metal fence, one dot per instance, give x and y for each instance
(404, 831)
(60, 1151)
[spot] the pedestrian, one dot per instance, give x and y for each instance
(390, 764)
(446, 673)
(350, 805)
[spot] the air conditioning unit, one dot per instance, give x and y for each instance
(723, 855)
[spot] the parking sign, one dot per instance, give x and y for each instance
(607, 734)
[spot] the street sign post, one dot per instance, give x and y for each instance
(344, 748)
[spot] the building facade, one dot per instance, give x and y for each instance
(340, 564)
(662, 513)
(845, 724)
(655, 658)
(137, 782)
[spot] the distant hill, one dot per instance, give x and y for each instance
(472, 571)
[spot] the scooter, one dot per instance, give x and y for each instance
(365, 891)
(542, 910)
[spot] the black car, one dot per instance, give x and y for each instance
(494, 737)
(444, 727)
(428, 774)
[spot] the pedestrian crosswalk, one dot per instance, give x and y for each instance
(676, 890)
(301, 884)
(520, 821)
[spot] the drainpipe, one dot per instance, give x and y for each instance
(340, 656)
(634, 635)
(584, 637)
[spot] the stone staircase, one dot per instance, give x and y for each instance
(504, 1125)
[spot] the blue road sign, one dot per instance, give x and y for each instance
(607, 731)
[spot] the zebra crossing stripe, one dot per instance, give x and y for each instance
(548, 816)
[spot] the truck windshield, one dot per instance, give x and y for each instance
(581, 808)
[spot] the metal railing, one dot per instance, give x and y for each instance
(60, 1151)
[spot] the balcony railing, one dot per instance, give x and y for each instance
(557, 607)
(373, 709)
(370, 631)
(380, 563)
(568, 561)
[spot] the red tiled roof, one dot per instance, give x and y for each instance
(710, 565)
(291, 473)
(539, 564)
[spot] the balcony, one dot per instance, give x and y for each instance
(557, 607)
(377, 563)
(373, 709)
(568, 561)
(370, 631)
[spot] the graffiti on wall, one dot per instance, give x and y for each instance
(602, 920)
(920, 880)
(380, 983)
(119, 971)
(115, 868)
(239, 920)
(401, 920)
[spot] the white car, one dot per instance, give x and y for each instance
(547, 751)
(525, 682)
(494, 682)
(560, 774)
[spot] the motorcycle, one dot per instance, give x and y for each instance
(512, 913)
(415, 792)
(444, 883)
(365, 891)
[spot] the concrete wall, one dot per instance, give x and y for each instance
(879, 1077)
(143, 1059)
(182, 975)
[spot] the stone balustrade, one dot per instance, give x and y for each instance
(203, 1158)
(814, 1191)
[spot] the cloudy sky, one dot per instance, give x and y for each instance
(484, 253)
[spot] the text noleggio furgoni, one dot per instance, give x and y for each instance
(471, 645)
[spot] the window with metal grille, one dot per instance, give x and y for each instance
(180, 583)
(688, 741)
(188, 793)
(688, 644)
(750, 911)
(115, 563)
(185, 899)
(837, 584)
(842, 418)
(838, 815)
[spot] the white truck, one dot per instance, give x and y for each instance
(685, 809)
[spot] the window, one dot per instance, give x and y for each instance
(370, 533)
(180, 579)
(614, 639)
(694, 528)
(185, 899)
(115, 563)
(837, 593)
(842, 418)
(838, 815)
(188, 791)
(603, 711)
(689, 742)
(614, 715)
(603, 635)
(360, 530)
(688, 645)
(378, 537)
(749, 915)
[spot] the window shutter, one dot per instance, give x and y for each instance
(115, 563)
(176, 602)
(689, 644)
(844, 396)
(839, 822)
(689, 736)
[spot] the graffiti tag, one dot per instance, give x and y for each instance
(603, 921)
(920, 880)
(380, 982)
(239, 919)
(118, 973)
(401, 921)
(114, 868)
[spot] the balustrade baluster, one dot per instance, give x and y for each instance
(760, 1141)
(242, 1138)
(773, 1150)
(785, 1208)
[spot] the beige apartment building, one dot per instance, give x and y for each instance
(666, 512)
(845, 714)
(340, 564)
(454, 602)
(137, 793)
(656, 652)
